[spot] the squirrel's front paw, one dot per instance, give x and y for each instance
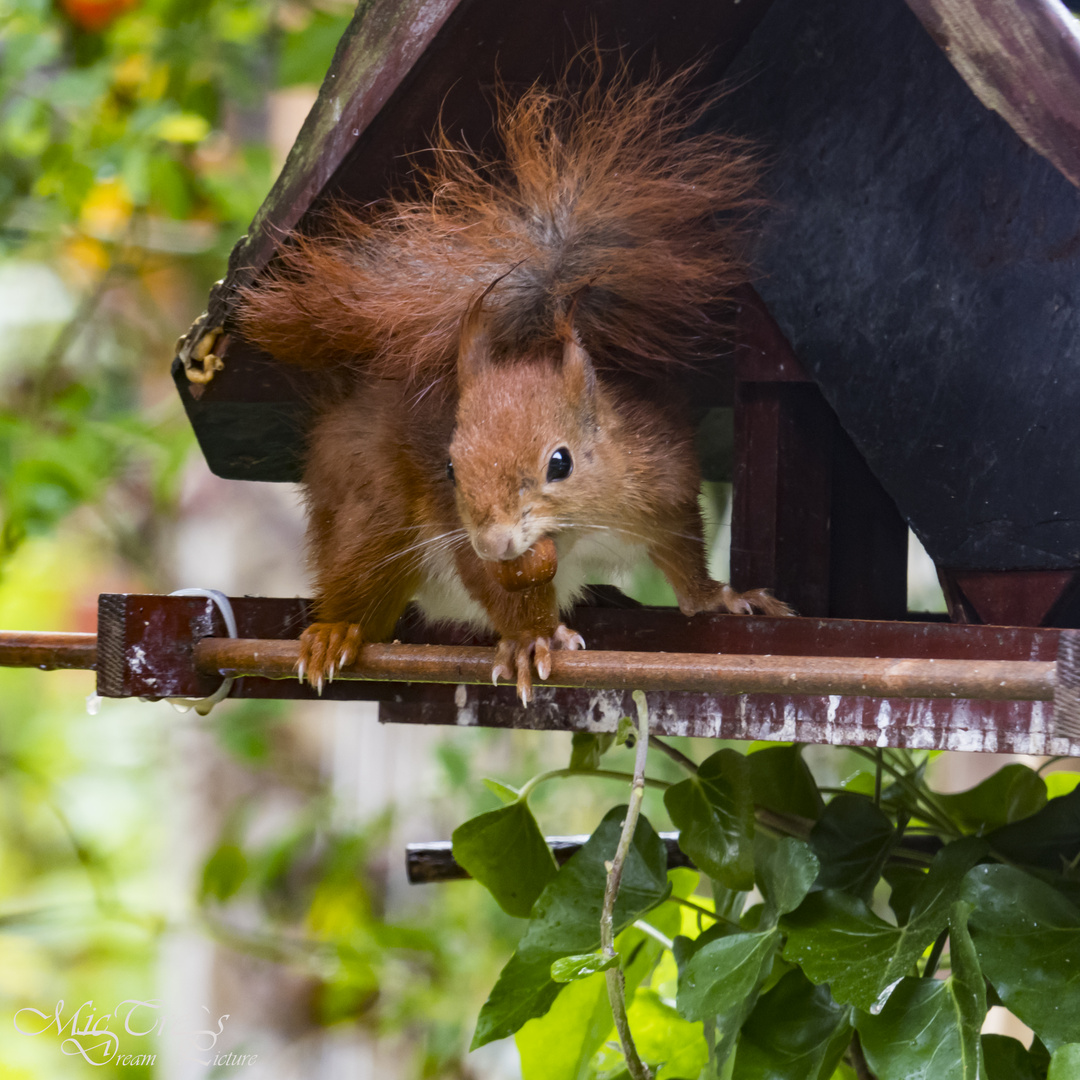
(514, 657)
(325, 648)
(725, 598)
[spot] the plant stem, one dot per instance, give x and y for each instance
(934, 958)
(700, 910)
(1050, 761)
(616, 984)
(608, 774)
(676, 755)
(926, 807)
(650, 931)
(858, 1059)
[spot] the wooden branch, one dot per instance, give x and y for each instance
(986, 680)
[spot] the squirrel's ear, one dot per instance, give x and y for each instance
(473, 342)
(579, 375)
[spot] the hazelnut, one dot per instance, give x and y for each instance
(536, 567)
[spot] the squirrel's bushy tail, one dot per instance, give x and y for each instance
(604, 199)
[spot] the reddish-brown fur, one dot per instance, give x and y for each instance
(491, 319)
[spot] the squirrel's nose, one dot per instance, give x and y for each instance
(497, 542)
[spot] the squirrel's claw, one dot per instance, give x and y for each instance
(720, 597)
(515, 658)
(752, 600)
(565, 638)
(325, 649)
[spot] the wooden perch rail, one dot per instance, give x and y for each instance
(987, 680)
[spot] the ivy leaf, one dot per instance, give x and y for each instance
(571, 968)
(566, 920)
(929, 1028)
(1048, 839)
(1028, 939)
(714, 812)
(504, 792)
(722, 973)
(586, 749)
(1013, 792)
(837, 939)
(505, 851)
(560, 1045)
(676, 1047)
(905, 882)
(1065, 1063)
(796, 1032)
(852, 839)
(782, 782)
(1005, 1058)
(785, 871)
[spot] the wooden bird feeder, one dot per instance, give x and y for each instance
(909, 356)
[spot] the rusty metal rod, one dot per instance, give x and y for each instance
(47, 651)
(980, 680)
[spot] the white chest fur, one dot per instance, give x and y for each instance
(584, 555)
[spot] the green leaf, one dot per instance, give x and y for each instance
(781, 781)
(586, 749)
(796, 1032)
(664, 1040)
(504, 792)
(505, 851)
(560, 1045)
(1048, 839)
(714, 812)
(1065, 1063)
(566, 920)
(305, 55)
(905, 882)
(1028, 939)
(1007, 1059)
(785, 870)
(224, 872)
(720, 974)
(837, 939)
(1013, 792)
(852, 839)
(929, 1028)
(571, 968)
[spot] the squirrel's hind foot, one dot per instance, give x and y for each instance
(325, 648)
(724, 598)
(515, 658)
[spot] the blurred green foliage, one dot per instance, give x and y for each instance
(135, 146)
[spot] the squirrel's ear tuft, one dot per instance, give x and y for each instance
(474, 342)
(579, 375)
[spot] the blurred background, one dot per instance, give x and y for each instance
(242, 872)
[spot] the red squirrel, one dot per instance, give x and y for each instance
(506, 334)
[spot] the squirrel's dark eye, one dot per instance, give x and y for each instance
(561, 465)
(450, 472)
